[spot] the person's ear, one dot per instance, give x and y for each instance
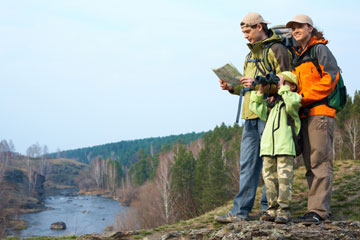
(311, 28)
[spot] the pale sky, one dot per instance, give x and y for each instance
(79, 73)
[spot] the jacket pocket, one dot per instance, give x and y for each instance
(321, 123)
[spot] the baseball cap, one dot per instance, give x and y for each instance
(300, 18)
(253, 18)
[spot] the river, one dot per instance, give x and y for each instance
(82, 214)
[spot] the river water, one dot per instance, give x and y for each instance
(82, 214)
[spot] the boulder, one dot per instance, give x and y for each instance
(58, 226)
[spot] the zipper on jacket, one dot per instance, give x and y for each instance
(278, 126)
(273, 135)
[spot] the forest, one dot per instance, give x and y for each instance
(172, 178)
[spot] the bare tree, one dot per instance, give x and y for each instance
(45, 166)
(33, 151)
(98, 168)
(112, 174)
(338, 141)
(352, 128)
(163, 183)
(88, 157)
(58, 152)
(11, 148)
(4, 158)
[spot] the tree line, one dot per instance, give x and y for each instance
(127, 151)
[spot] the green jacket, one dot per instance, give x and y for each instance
(279, 58)
(277, 137)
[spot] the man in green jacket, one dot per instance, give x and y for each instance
(277, 147)
(262, 41)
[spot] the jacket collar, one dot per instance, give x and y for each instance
(314, 40)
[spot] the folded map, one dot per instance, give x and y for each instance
(229, 74)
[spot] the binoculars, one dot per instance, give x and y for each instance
(270, 78)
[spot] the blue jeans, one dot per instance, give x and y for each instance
(250, 169)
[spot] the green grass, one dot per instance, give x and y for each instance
(144, 232)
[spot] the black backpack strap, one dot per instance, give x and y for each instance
(265, 59)
(267, 63)
(311, 53)
(247, 59)
(298, 142)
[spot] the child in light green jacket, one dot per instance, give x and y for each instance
(277, 147)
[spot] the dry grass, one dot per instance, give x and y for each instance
(345, 203)
(66, 160)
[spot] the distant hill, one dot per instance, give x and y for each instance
(125, 151)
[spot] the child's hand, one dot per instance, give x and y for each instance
(271, 99)
(261, 89)
(282, 80)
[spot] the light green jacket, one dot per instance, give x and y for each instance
(277, 137)
(279, 58)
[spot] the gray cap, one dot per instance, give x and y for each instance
(253, 18)
(300, 18)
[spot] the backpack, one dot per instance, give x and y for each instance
(286, 39)
(286, 36)
(337, 98)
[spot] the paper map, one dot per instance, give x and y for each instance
(229, 74)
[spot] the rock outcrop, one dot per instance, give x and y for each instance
(344, 230)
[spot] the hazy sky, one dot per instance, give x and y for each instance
(78, 73)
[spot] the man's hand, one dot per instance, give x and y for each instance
(246, 81)
(224, 85)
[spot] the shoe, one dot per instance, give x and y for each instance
(309, 218)
(281, 220)
(228, 218)
(267, 217)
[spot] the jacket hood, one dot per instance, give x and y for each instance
(259, 45)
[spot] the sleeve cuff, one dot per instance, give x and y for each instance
(284, 88)
(256, 97)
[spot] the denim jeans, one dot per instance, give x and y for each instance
(250, 169)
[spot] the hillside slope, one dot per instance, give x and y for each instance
(343, 224)
(125, 151)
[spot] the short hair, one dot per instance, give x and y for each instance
(263, 25)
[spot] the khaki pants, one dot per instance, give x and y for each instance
(278, 177)
(318, 132)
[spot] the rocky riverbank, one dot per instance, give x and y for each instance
(328, 230)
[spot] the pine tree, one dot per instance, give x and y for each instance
(182, 182)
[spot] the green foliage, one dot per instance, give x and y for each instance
(182, 181)
(126, 151)
(212, 183)
(142, 169)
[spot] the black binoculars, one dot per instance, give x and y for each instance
(270, 78)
